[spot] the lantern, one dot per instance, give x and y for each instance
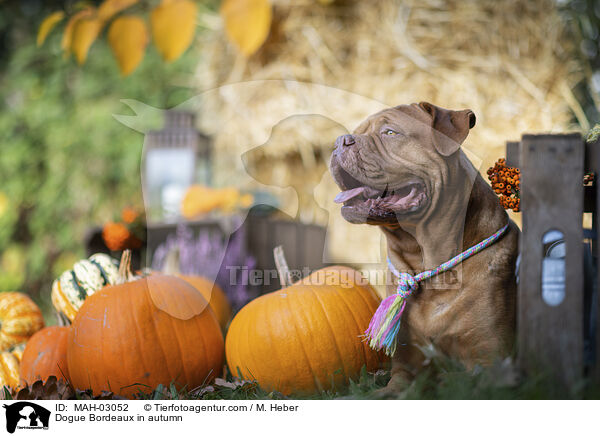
(174, 158)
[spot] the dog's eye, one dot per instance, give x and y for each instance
(389, 132)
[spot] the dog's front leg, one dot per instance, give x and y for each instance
(404, 366)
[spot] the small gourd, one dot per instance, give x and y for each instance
(71, 289)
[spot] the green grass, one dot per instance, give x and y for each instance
(441, 378)
(231, 388)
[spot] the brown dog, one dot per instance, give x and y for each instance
(403, 170)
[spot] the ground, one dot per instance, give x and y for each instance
(442, 378)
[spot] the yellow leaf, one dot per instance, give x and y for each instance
(47, 25)
(247, 23)
(173, 27)
(84, 34)
(3, 203)
(128, 38)
(68, 34)
(109, 8)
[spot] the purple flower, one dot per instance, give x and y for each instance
(210, 255)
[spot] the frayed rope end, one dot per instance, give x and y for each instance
(385, 324)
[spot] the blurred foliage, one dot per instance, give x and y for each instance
(65, 163)
(584, 19)
(172, 23)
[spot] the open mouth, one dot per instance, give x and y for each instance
(363, 203)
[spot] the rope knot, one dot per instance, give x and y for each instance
(385, 324)
(407, 284)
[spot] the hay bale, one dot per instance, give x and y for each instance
(508, 60)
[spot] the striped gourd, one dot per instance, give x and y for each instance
(71, 289)
(20, 318)
(9, 370)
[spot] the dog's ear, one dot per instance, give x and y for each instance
(450, 128)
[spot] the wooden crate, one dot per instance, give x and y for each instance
(551, 337)
(303, 244)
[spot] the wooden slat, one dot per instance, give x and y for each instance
(314, 246)
(513, 153)
(592, 157)
(551, 338)
(286, 234)
(593, 165)
(259, 242)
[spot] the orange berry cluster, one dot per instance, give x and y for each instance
(505, 182)
(126, 234)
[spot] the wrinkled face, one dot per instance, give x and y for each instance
(391, 168)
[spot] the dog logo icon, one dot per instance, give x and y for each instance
(26, 415)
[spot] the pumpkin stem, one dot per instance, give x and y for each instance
(282, 267)
(125, 275)
(171, 266)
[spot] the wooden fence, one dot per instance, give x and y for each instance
(303, 244)
(556, 322)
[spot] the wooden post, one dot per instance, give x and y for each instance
(592, 160)
(550, 338)
(513, 154)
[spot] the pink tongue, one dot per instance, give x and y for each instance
(347, 195)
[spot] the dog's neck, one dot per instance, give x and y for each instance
(458, 221)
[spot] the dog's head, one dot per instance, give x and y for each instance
(392, 168)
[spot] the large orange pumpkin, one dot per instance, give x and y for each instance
(211, 291)
(46, 355)
(19, 319)
(214, 294)
(307, 337)
(133, 336)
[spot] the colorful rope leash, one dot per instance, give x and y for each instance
(385, 324)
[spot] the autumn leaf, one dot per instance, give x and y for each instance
(47, 25)
(85, 32)
(68, 33)
(247, 23)
(128, 37)
(110, 8)
(173, 27)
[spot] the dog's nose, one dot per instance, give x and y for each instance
(345, 140)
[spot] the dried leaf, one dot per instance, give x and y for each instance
(109, 8)
(70, 27)
(47, 25)
(128, 37)
(84, 34)
(247, 23)
(173, 27)
(224, 383)
(236, 383)
(54, 389)
(201, 390)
